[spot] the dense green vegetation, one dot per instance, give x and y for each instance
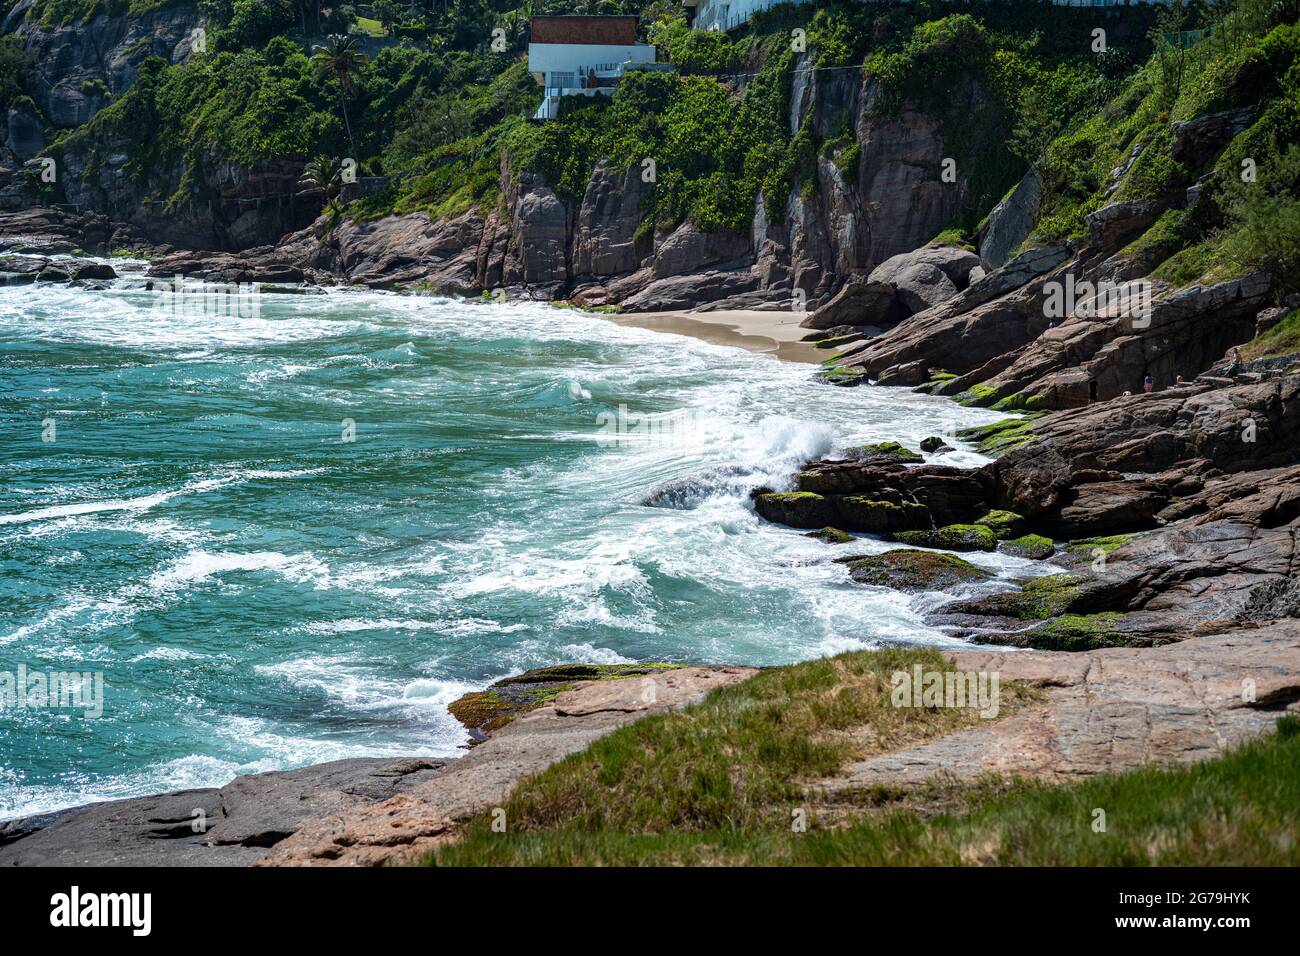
(667, 791)
(1239, 55)
(438, 108)
(1014, 84)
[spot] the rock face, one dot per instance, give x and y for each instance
(1009, 223)
(235, 825)
(81, 65)
(604, 241)
(25, 137)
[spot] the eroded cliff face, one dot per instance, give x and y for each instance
(881, 193)
(78, 67)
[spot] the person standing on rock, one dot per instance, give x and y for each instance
(1148, 384)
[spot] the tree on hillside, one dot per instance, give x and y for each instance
(388, 13)
(324, 173)
(341, 59)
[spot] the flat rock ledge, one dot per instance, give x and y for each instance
(1108, 711)
(360, 812)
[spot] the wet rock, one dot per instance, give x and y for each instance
(831, 536)
(798, 509)
(882, 453)
(1036, 547)
(907, 570)
(953, 537)
(95, 270)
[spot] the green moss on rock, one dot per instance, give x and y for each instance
(1080, 632)
(908, 570)
(830, 535)
(1004, 524)
(798, 509)
(484, 711)
(833, 374)
(1086, 550)
(1000, 437)
(953, 537)
(1033, 546)
(1038, 600)
(860, 513)
(885, 451)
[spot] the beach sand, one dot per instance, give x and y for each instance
(775, 333)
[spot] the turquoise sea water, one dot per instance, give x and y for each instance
(260, 593)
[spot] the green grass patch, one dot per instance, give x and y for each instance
(738, 759)
(1235, 810)
(1281, 339)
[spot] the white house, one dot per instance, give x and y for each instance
(583, 56)
(730, 14)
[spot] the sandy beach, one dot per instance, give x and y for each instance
(771, 332)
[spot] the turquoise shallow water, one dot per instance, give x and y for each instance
(260, 593)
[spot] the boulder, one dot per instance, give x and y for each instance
(691, 250)
(923, 285)
(953, 262)
(858, 303)
(908, 570)
(953, 537)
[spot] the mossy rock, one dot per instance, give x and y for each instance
(883, 452)
(875, 516)
(1038, 600)
(839, 375)
(977, 396)
(1004, 524)
(1001, 437)
(932, 444)
(484, 711)
(839, 340)
(1086, 550)
(1081, 632)
(1033, 546)
(798, 509)
(908, 570)
(830, 535)
(953, 537)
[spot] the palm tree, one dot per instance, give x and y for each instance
(341, 59)
(326, 174)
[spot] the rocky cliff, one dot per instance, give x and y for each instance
(80, 66)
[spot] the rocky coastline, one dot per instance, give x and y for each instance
(1151, 449)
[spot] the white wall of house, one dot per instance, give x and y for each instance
(560, 64)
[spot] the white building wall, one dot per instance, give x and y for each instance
(554, 64)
